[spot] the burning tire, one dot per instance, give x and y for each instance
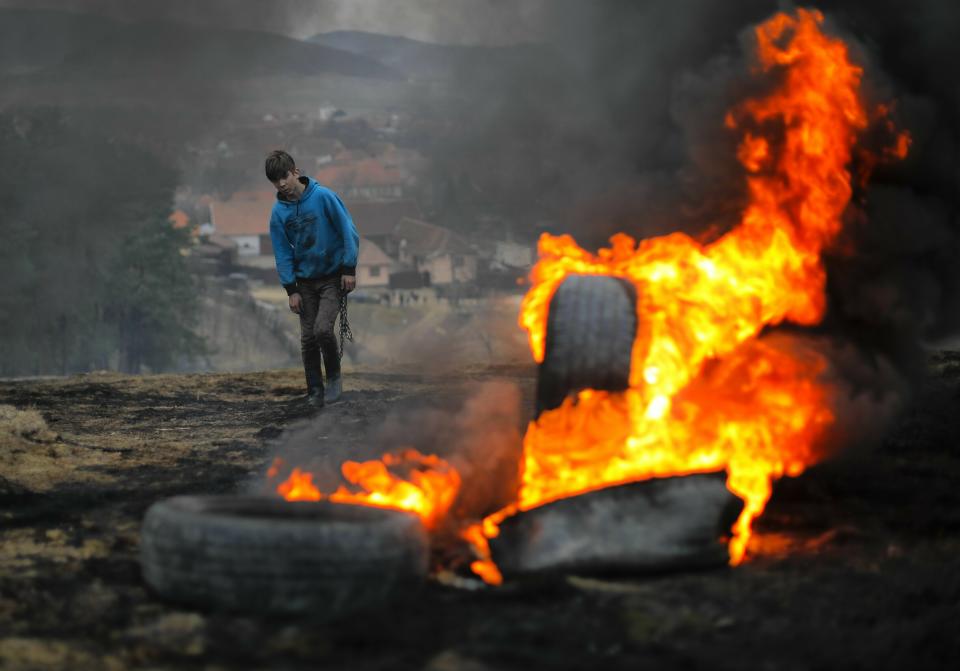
(270, 556)
(590, 332)
(653, 526)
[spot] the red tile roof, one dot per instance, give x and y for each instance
(245, 213)
(179, 219)
(423, 239)
(360, 173)
(379, 218)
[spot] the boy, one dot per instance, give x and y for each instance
(315, 245)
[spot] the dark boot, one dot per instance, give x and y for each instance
(315, 397)
(333, 390)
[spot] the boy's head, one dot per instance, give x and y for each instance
(282, 172)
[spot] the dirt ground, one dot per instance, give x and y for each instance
(855, 564)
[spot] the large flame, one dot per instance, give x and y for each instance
(706, 392)
(758, 408)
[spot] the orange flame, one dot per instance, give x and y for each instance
(429, 488)
(483, 567)
(299, 487)
(428, 485)
(705, 392)
(758, 408)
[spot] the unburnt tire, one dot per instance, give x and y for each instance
(589, 340)
(261, 555)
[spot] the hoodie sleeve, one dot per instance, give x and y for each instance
(343, 223)
(282, 253)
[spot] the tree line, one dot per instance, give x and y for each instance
(92, 273)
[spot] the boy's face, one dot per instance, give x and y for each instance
(289, 186)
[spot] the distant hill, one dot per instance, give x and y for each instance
(379, 46)
(83, 46)
(424, 59)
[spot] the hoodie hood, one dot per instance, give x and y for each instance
(310, 185)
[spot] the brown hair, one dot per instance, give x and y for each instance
(278, 164)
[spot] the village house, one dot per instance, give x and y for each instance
(374, 267)
(244, 219)
(395, 241)
(435, 250)
(368, 178)
(386, 172)
(513, 254)
(376, 219)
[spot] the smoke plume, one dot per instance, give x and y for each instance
(443, 21)
(479, 436)
(622, 130)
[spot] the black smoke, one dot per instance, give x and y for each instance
(443, 21)
(621, 129)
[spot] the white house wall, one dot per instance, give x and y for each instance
(247, 245)
(442, 270)
(366, 279)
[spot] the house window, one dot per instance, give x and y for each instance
(458, 262)
(374, 271)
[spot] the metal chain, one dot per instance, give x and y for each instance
(345, 332)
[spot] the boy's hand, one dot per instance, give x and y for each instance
(295, 303)
(348, 283)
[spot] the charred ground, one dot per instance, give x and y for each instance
(855, 565)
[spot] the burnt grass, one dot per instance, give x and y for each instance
(855, 563)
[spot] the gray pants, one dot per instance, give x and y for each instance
(319, 306)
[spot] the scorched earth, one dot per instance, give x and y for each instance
(853, 565)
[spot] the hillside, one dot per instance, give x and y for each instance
(426, 60)
(78, 46)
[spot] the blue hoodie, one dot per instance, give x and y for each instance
(313, 237)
